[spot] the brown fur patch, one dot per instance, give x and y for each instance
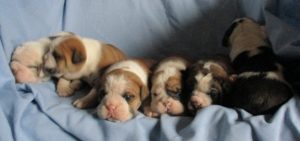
(218, 71)
(173, 83)
(65, 51)
(110, 55)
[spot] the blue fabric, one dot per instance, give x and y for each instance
(156, 28)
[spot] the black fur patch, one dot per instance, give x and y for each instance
(228, 32)
(262, 62)
(258, 95)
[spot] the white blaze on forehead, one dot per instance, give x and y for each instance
(168, 69)
(115, 84)
(203, 81)
(131, 66)
(178, 64)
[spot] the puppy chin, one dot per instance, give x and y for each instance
(199, 100)
(114, 109)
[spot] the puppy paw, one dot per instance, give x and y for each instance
(81, 103)
(75, 84)
(173, 85)
(64, 88)
(150, 113)
(88, 101)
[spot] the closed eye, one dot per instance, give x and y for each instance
(213, 92)
(56, 56)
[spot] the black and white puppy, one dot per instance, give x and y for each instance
(260, 87)
(208, 81)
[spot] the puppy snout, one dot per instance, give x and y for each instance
(111, 108)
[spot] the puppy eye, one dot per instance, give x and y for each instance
(155, 94)
(213, 92)
(56, 56)
(128, 97)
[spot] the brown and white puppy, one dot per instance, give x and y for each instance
(123, 88)
(27, 60)
(72, 58)
(167, 87)
(208, 81)
(260, 87)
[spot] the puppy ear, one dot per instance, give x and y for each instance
(77, 56)
(144, 92)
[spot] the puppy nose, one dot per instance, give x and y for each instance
(111, 108)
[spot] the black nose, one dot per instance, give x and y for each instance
(50, 70)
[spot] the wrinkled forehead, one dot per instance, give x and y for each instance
(115, 84)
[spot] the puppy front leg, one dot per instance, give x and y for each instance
(147, 108)
(67, 87)
(88, 101)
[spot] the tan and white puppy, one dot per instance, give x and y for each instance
(27, 61)
(208, 82)
(72, 57)
(167, 85)
(122, 89)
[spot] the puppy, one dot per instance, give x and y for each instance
(167, 87)
(27, 61)
(208, 81)
(72, 58)
(260, 87)
(122, 89)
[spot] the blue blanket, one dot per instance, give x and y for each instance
(149, 28)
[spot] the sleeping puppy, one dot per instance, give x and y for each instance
(122, 89)
(72, 58)
(167, 86)
(208, 81)
(27, 60)
(260, 87)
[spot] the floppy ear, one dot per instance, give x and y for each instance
(225, 41)
(77, 56)
(144, 92)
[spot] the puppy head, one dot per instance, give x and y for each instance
(244, 34)
(27, 61)
(166, 90)
(67, 54)
(122, 91)
(207, 82)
